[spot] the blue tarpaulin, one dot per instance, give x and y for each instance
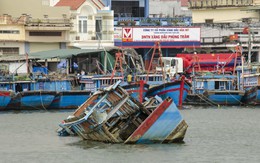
(63, 64)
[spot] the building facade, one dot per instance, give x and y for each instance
(41, 27)
(93, 24)
(216, 11)
(223, 23)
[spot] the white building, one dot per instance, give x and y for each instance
(93, 24)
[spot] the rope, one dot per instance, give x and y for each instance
(42, 101)
(207, 100)
(36, 107)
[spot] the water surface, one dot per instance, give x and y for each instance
(227, 134)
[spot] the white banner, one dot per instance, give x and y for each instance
(118, 34)
(166, 34)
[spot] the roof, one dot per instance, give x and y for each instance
(62, 53)
(13, 58)
(184, 3)
(73, 4)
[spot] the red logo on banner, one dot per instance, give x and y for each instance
(127, 34)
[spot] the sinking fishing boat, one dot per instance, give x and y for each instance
(5, 98)
(112, 115)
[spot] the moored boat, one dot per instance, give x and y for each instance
(96, 82)
(215, 89)
(249, 78)
(177, 90)
(137, 90)
(5, 98)
(69, 99)
(32, 100)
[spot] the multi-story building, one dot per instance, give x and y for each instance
(129, 8)
(220, 19)
(12, 35)
(93, 24)
(68, 24)
(168, 8)
(40, 27)
(223, 11)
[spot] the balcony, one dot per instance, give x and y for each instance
(153, 21)
(48, 22)
(203, 4)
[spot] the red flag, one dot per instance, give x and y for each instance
(246, 30)
(233, 37)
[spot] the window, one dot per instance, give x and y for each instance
(83, 24)
(9, 50)
(80, 26)
(220, 85)
(45, 2)
(209, 21)
(44, 33)
(199, 85)
(9, 32)
(173, 63)
(98, 27)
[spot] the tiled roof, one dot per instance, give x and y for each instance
(184, 3)
(73, 4)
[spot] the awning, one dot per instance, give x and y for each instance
(62, 53)
(13, 58)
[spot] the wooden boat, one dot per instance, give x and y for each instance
(137, 90)
(163, 125)
(32, 100)
(252, 95)
(214, 89)
(5, 98)
(249, 77)
(96, 82)
(151, 79)
(177, 90)
(69, 99)
(112, 115)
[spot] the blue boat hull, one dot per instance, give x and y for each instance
(171, 90)
(32, 100)
(226, 99)
(69, 99)
(252, 96)
(134, 90)
(5, 98)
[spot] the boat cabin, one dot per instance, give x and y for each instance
(214, 82)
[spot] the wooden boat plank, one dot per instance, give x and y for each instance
(149, 121)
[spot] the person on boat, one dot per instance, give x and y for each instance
(234, 83)
(129, 78)
(168, 79)
(82, 73)
(177, 77)
(18, 87)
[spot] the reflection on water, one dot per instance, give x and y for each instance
(226, 134)
(87, 144)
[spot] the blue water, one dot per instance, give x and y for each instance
(227, 134)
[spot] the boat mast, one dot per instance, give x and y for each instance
(118, 65)
(157, 46)
(249, 45)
